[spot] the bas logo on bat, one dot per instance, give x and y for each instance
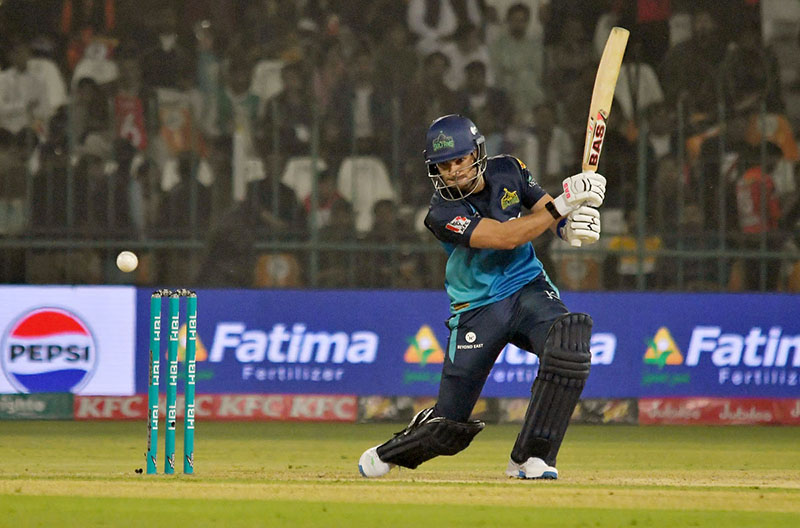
(598, 135)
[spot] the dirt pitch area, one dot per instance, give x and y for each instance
(298, 474)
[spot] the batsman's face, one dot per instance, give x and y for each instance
(459, 171)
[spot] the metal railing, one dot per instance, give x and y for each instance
(79, 212)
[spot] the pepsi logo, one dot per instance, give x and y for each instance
(48, 350)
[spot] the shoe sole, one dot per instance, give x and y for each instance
(547, 475)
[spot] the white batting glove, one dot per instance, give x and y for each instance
(581, 225)
(587, 188)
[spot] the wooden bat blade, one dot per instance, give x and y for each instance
(603, 95)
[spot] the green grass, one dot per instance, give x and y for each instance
(299, 474)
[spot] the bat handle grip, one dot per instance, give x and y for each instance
(575, 243)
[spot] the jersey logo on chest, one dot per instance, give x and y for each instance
(509, 198)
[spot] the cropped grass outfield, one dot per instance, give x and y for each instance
(298, 474)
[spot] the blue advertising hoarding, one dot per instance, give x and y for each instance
(393, 343)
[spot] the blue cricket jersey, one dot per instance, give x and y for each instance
(476, 277)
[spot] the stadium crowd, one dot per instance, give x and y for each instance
(277, 143)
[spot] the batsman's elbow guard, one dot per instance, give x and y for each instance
(426, 437)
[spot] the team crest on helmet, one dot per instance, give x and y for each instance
(509, 198)
(443, 141)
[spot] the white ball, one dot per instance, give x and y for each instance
(127, 261)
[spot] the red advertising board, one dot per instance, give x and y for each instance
(719, 411)
(227, 407)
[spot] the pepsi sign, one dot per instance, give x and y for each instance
(49, 350)
(68, 339)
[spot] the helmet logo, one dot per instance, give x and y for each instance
(443, 141)
(474, 130)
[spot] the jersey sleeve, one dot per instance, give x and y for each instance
(532, 192)
(452, 224)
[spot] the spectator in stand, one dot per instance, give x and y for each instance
(278, 215)
(126, 196)
(429, 97)
(751, 71)
(396, 61)
(518, 61)
(638, 88)
(652, 28)
(327, 196)
(663, 129)
(361, 110)
(538, 9)
(14, 221)
(163, 61)
(82, 22)
(89, 109)
(24, 111)
(648, 20)
(96, 64)
(621, 270)
(433, 21)
(43, 66)
(547, 148)
(128, 104)
(286, 126)
(487, 105)
(329, 75)
(568, 58)
(337, 268)
(208, 53)
(180, 128)
(466, 46)
(235, 116)
(13, 182)
(183, 211)
(267, 21)
(670, 196)
(758, 213)
(49, 211)
(382, 269)
(93, 201)
(692, 67)
(230, 258)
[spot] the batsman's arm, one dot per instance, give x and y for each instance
(491, 234)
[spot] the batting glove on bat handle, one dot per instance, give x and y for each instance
(582, 225)
(585, 188)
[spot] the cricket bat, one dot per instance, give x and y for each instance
(602, 97)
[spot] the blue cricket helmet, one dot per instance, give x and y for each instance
(451, 137)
